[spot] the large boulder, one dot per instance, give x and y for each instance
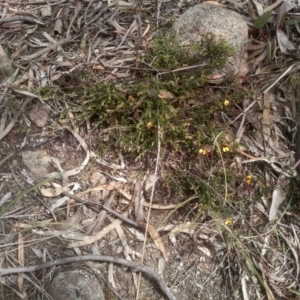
(212, 18)
(75, 285)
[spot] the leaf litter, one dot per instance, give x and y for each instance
(45, 57)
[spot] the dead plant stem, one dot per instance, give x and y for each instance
(110, 259)
(150, 206)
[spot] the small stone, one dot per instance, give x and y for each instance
(224, 24)
(39, 163)
(97, 178)
(75, 285)
(39, 115)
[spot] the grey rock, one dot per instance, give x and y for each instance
(39, 163)
(39, 115)
(224, 24)
(75, 285)
(6, 68)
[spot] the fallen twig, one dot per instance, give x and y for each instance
(21, 19)
(152, 231)
(130, 264)
(116, 214)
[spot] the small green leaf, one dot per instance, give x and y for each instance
(289, 22)
(262, 20)
(269, 51)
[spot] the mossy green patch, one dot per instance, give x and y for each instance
(172, 103)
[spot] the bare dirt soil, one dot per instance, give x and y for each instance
(193, 270)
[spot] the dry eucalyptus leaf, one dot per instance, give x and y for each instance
(281, 14)
(157, 240)
(266, 122)
(283, 41)
(37, 252)
(111, 275)
(58, 26)
(120, 3)
(75, 218)
(138, 202)
(277, 198)
(21, 262)
(151, 179)
(259, 7)
(56, 190)
(46, 11)
(205, 250)
(5, 198)
(136, 233)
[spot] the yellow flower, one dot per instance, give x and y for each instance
(226, 149)
(130, 98)
(202, 151)
(228, 222)
(248, 179)
(149, 125)
(226, 102)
